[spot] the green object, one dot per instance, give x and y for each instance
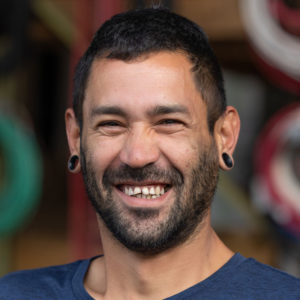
(22, 181)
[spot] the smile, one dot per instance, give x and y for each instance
(144, 191)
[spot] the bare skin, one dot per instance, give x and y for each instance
(156, 277)
(162, 79)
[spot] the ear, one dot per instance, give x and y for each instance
(226, 134)
(73, 135)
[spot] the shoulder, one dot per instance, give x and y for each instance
(266, 280)
(242, 278)
(43, 283)
(259, 270)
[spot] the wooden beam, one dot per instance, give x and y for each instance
(220, 19)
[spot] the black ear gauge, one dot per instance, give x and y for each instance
(227, 160)
(72, 162)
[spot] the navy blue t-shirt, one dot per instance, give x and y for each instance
(239, 278)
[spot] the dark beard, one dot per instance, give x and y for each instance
(185, 215)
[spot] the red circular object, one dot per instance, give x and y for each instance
(288, 18)
(275, 75)
(276, 50)
(269, 150)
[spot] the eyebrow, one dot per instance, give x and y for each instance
(156, 111)
(167, 109)
(107, 110)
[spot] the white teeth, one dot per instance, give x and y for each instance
(157, 190)
(137, 190)
(145, 191)
(130, 192)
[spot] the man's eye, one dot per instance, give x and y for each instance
(170, 122)
(110, 127)
(109, 124)
(169, 126)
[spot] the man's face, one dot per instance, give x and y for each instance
(149, 164)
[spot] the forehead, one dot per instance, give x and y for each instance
(160, 78)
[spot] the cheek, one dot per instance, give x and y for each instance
(103, 153)
(181, 153)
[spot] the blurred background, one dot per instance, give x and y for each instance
(45, 218)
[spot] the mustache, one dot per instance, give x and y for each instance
(150, 172)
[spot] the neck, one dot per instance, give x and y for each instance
(123, 273)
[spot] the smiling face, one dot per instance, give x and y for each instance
(149, 163)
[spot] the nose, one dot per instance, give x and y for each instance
(140, 148)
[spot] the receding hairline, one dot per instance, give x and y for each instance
(141, 58)
(206, 96)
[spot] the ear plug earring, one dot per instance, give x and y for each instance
(72, 162)
(227, 160)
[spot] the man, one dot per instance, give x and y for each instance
(149, 130)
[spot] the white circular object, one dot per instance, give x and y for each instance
(274, 44)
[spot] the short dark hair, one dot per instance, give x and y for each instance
(135, 33)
